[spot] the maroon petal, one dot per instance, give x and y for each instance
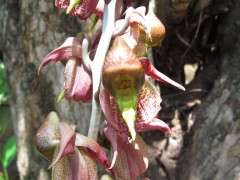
(78, 83)
(151, 71)
(67, 141)
(132, 159)
(69, 49)
(104, 98)
(112, 136)
(94, 149)
(82, 10)
(155, 124)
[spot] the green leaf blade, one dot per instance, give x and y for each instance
(9, 151)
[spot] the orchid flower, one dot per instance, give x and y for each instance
(80, 8)
(71, 155)
(123, 77)
(131, 153)
(78, 83)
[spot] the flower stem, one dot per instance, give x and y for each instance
(107, 31)
(5, 173)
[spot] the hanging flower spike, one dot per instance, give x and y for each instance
(70, 154)
(129, 159)
(123, 77)
(78, 83)
(80, 8)
(69, 49)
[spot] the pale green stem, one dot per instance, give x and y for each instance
(5, 173)
(107, 31)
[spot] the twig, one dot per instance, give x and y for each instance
(107, 31)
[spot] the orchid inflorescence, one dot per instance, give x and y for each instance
(117, 83)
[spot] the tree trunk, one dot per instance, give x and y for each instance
(204, 119)
(214, 148)
(29, 31)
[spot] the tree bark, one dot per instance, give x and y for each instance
(29, 31)
(205, 138)
(214, 148)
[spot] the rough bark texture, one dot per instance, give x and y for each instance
(29, 31)
(215, 142)
(205, 139)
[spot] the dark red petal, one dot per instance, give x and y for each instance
(132, 159)
(71, 48)
(67, 141)
(78, 83)
(94, 149)
(104, 98)
(112, 136)
(82, 10)
(151, 71)
(155, 124)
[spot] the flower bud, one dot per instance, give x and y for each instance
(123, 77)
(157, 30)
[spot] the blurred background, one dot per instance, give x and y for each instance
(200, 51)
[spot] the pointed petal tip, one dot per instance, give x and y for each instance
(129, 116)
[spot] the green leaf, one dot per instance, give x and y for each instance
(1, 178)
(9, 151)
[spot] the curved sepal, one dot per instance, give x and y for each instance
(67, 141)
(78, 83)
(71, 48)
(94, 149)
(152, 72)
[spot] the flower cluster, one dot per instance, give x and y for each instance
(129, 101)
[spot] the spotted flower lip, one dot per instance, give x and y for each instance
(82, 9)
(78, 82)
(147, 109)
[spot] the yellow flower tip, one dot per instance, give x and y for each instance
(72, 4)
(129, 116)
